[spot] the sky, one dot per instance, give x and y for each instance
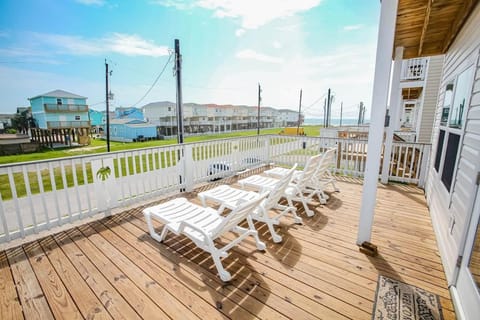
(228, 47)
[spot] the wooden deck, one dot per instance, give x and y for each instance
(113, 269)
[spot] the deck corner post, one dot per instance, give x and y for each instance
(386, 32)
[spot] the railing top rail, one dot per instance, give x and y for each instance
(196, 143)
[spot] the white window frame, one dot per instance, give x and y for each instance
(453, 130)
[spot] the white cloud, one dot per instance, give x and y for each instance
(251, 13)
(239, 32)
(91, 2)
(253, 55)
(353, 27)
(126, 44)
(277, 44)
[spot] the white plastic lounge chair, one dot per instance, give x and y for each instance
(323, 176)
(296, 191)
(320, 179)
(204, 225)
(227, 197)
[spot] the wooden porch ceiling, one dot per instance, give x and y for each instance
(411, 93)
(428, 27)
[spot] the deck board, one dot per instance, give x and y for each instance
(112, 268)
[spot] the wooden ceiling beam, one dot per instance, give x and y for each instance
(460, 19)
(425, 26)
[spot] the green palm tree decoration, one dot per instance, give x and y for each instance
(103, 173)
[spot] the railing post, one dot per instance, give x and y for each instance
(188, 166)
(395, 98)
(423, 167)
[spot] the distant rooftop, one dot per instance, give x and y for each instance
(59, 94)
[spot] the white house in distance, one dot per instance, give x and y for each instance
(448, 31)
(198, 118)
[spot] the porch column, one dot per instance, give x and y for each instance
(395, 100)
(386, 31)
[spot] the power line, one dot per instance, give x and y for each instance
(154, 82)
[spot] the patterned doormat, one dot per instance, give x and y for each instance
(398, 300)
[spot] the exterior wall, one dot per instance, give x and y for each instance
(451, 211)
(430, 95)
(158, 112)
(41, 117)
(97, 118)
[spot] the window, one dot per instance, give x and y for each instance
(450, 159)
(462, 94)
(438, 156)
(77, 117)
(447, 100)
(59, 101)
(455, 102)
(169, 108)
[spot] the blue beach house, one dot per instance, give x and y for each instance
(129, 130)
(129, 113)
(60, 117)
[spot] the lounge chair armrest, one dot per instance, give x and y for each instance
(184, 224)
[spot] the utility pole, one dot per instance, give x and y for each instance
(361, 114)
(299, 112)
(107, 98)
(325, 113)
(329, 101)
(341, 113)
(258, 109)
(178, 72)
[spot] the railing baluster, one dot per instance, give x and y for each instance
(29, 197)
(54, 191)
(13, 188)
(65, 190)
(4, 220)
(42, 195)
(75, 185)
(87, 189)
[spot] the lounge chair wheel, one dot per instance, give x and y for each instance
(323, 201)
(276, 238)
(298, 220)
(225, 275)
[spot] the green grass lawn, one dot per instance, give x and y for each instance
(100, 146)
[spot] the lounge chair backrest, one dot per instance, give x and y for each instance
(236, 216)
(279, 190)
(326, 162)
(308, 172)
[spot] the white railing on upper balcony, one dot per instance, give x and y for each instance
(39, 195)
(414, 69)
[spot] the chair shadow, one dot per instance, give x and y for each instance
(286, 252)
(195, 269)
(246, 289)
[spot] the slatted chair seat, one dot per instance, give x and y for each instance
(296, 190)
(279, 172)
(204, 225)
(269, 211)
(226, 196)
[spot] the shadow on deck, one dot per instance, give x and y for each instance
(111, 268)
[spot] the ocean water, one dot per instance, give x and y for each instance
(333, 121)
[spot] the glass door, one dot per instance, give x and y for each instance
(468, 281)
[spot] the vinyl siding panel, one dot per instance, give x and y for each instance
(451, 211)
(435, 66)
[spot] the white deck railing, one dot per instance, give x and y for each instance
(414, 69)
(39, 195)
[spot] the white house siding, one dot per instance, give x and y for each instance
(430, 93)
(451, 212)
